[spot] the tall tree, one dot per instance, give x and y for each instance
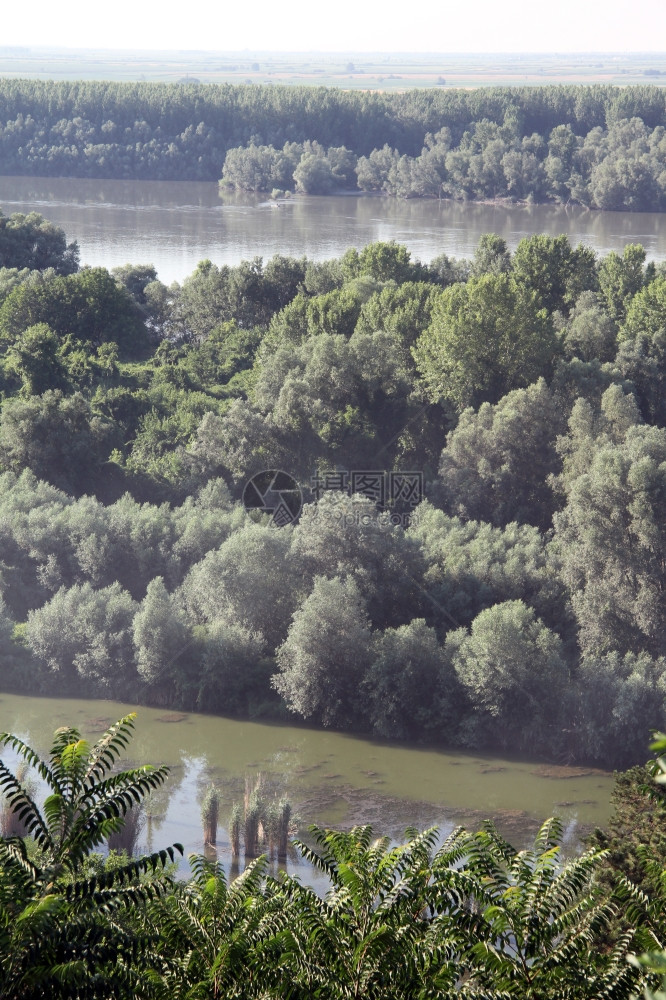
(85, 637)
(160, 637)
(59, 438)
(497, 462)
(33, 242)
(515, 672)
(620, 278)
(323, 660)
(487, 337)
(550, 266)
(410, 688)
(613, 545)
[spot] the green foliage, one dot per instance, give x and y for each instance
(513, 667)
(160, 636)
(594, 424)
(472, 917)
(381, 261)
(486, 338)
(175, 595)
(636, 833)
(34, 358)
(235, 672)
(260, 168)
(347, 536)
(224, 297)
(491, 256)
(541, 920)
(250, 580)
(620, 278)
(614, 701)
(90, 305)
(411, 690)
(17, 669)
(214, 934)
(404, 310)
(610, 536)
(330, 397)
(497, 462)
(378, 908)
(600, 146)
(470, 566)
(84, 636)
(647, 312)
(557, 272)
(326, 653)
(30, 241)
(58, 437)
(590, 332)
(64, 934)
(655, 961)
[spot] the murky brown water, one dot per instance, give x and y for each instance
(175, 224)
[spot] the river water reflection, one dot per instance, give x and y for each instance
(175, 224)
(330, 778)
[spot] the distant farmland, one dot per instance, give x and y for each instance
(357, 71)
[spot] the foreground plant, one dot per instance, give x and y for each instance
(393, 923)
(221, 939)
(64, 934)
(542, 919)
(654, 961)
(476, 918)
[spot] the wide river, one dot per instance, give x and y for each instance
(174, 225)
(329, 778)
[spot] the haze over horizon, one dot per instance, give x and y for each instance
(575, 26)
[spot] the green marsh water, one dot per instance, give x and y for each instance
(330, 778)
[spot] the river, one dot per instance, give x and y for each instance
(175, 224)
(329, 778)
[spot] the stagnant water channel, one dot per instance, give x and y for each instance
(330, 778)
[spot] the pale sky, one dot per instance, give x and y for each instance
(342, 26)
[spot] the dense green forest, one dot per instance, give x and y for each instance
(616, 168)
(519, 605)
(469, 917)
(599, 146)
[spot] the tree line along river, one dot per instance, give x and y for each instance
(330, 778)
